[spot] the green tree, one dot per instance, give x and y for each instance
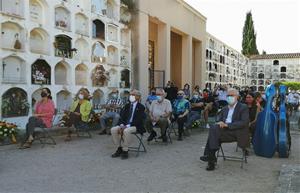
(249, 37)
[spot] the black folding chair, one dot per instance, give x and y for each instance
(241, 159)
(43, 134)
(141, 147)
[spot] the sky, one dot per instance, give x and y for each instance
(276, 22)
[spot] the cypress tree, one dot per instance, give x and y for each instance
(249, 37)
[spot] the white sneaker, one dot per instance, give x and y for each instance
(207, 126)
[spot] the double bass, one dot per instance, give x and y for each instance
(264, 140)
(283, 134)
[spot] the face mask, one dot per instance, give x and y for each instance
(80, 96)
(43, 94)
(179, 97)
(196, 96)
(160, 99)
(132, 98)
(231, 100)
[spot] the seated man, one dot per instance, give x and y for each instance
(208, 105)
(159, 114)
(195, 112)
(181, 108)
(113, 107)
(232, 126)
(131, 120)
(79, 113)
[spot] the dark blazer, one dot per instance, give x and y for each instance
(138, 117)
(239, 127)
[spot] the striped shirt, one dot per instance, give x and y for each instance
(119, 102)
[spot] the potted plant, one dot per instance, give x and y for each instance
(8, 132)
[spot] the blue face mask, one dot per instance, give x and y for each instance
(231, 100)
(179, 97)
(158, 98)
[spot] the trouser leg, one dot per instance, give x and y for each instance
(163, 124)
(116, 137)
(127, 137)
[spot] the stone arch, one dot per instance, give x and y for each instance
(98, 52)
(124, 59)
(37, 10)
(283, 69)
(14, 103)
(14, 69)
(114, 78)
(82, 24)
(12, 35)
(125, 78)
(125, 37)
(40, 72)
(63, 46)
(63, 100)
(275, 62)
(112, 33)
(82, 47)
(81, 74)
(62, 74)
(98, 29)
(112, 56)
(62, 18)
(39, 41)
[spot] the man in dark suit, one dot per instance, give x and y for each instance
(232, 126)
(131, 120)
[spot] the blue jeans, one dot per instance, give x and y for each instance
(109, 115)
(192, 116)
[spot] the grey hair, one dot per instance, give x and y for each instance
(161, 90)
(233, 90)
(136, 92)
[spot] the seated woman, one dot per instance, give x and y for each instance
(181, 108)
(254, 109)
(80, 111)
(42, 117)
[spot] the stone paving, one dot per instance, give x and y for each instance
(85, 165)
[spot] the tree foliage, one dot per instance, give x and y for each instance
(289, 85)
(249, 37)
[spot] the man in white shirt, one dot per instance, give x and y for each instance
(293, 100)
(159, 114)
(232, 126)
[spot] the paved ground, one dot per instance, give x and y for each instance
(85, 165)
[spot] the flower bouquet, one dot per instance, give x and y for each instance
(8, 131)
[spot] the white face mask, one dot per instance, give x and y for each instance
(132, 98)
(196, 96)
(80, 96)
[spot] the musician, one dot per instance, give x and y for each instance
(131, 120)
(232, 126)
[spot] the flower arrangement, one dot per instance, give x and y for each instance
(8, 130)
(38, 76)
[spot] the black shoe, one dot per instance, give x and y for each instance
(210, 166)
(102, 132)
(124, 155)
(117, 153)
(246, 153)
(179, 138)
(164, 139)
(204, 158)
(152, 135)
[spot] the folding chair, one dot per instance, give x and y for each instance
(83, 129)
(44, 135)
(141, 147)
(241, 159)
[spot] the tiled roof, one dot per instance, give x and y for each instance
(276, 56)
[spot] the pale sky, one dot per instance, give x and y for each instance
(276, 22)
